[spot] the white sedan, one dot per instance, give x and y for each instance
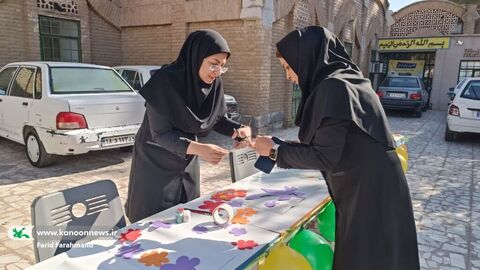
(464, 109)
(56, 108)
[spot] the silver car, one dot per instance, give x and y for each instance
(406, 93)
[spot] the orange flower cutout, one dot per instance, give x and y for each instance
(130, 235)
(229, 194)
(154, 258)
(210, 205)
(240, 216)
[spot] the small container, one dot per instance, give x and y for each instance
(186, 216)
(179, 215)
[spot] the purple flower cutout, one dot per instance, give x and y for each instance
(271, 204)
(236, 203)
(183, 263)
(157, 224)
(200, 229)
(127, 252)
(238, 231)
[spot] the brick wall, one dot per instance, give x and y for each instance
(148, 45)
(12, 32)
(105, 41)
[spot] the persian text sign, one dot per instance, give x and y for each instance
(414, 43)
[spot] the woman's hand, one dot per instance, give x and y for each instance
(263, 145)
(211, 153)
(242, 137)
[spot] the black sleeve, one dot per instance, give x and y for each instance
(226, 126)
(164, 135)
(324, 152)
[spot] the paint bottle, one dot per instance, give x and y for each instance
(179, 215)
(186, 216)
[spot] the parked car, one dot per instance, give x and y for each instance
(137, 76)
(406, 93)
(56, 108)
(464, 109)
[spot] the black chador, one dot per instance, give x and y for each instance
(162, 174)
(344, 133)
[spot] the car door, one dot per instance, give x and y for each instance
(19, 100)
(469, 101)
(5, 79)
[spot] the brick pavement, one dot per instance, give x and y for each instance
(444, 181)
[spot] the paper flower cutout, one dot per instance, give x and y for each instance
(183, 263)
(271, 204)
(200, 229)
(127, 252)
(283, 194)
(157, 224)
(238, 231)
(242, 214)
(242, 244)
(130, 235)
(229, 194)
(210, 205)
(236, 203)
(154, 258)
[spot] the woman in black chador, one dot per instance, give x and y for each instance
(344, 133)
(184, 99)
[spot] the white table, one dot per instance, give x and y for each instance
(214, 249)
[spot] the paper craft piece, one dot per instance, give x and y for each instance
(130, 235)
(183, 263)
(229, 194)
(236, 203)
(242, 244)
(271, 204)
(157, 224)
(127, 252)
(242, 214)
(154, 258)
(238, 231)
(210, 205)
(282, 194)
(200, 229)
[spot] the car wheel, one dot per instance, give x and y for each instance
(449, 135)
(36, 153)
(127, 149)
(418, 113)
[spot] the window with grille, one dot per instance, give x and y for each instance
(59, 39)
(468, 69)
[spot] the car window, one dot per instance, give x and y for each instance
(23, 83)
(5, 77)
(38, 84)
(131, 76)
(472, 90)
(406, 82)
(76, 80)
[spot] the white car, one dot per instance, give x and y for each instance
(56, 108)
(464, 109)
(138, 75)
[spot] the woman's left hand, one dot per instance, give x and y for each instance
(242, 137)
(263, 145)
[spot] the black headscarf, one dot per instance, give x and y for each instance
(331, 84)
(175, 90)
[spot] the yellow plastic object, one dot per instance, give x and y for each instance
(404, 163)
(283, 257)
(402, 151)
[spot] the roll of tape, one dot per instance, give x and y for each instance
(226, 216)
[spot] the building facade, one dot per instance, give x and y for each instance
(440, 38)
(151, 32)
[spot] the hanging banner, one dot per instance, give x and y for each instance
(414, 43)
(406, 68)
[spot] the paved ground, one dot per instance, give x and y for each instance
(444, 181)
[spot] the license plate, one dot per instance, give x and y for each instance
(118, 140)
(396, 95)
